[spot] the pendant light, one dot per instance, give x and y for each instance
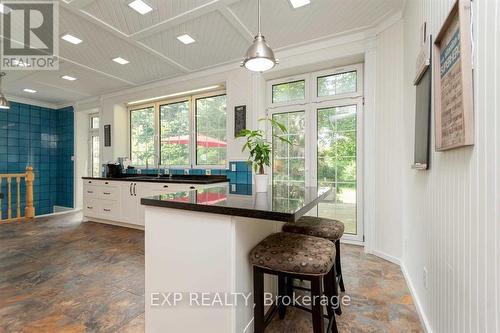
(259, 56)
(4, 103)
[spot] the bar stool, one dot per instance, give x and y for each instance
(294, 256)
(330, 229)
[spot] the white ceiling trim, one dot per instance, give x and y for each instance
(84, 95)
(98, 71)
(126, 38)
(231, 17)
(30, 101)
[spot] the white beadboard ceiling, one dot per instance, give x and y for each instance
(223, 29)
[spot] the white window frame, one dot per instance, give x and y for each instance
(93, 132)
(358, 68)
(311, 104)
(192, 130)
(270, 84)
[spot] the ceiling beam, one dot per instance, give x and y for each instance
(95, 21)
(231, 17)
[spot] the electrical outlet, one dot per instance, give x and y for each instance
(208, 172)
(233, 187)
(425, 278)
(233, 166)
(186, 171)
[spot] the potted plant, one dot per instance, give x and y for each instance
(260, 150)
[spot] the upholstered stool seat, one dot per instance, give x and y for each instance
(317, 227)
(329, 229)
(294, 253)
(294, 256)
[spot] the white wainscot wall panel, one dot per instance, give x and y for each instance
(452, 221)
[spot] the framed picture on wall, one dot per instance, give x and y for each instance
(453, 92)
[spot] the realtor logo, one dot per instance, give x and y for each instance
(29, 31)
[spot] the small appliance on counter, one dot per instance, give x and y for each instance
(113, 170)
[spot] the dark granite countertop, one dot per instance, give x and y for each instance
(285, 203)
(179, 179)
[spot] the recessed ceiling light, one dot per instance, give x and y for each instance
(121, 61)
(186, 39)
(299, 3)
(69, 78)
(140, 6)
(31, 91)
(72, 39)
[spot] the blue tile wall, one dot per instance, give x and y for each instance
(42, 138)
(242, 175)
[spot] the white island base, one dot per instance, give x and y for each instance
(195, 252)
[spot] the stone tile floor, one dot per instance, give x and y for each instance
(61, 275)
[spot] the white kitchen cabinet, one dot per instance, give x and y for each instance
(130, 203)
(120, 202)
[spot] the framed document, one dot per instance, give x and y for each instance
(453, 94)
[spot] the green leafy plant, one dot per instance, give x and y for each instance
(259, 148)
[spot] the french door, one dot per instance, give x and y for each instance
(326, 152)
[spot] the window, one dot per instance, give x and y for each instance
(289, 91)
(323, 114)
(211, 130)
(94, 166)
(142, 134)
(94, 122)
(184, 132)
(174, 133)
(337, 84)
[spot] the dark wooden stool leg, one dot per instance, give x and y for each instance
(282, 292)
(330, 293)
(258, 299)
(317, 309)
(338, 266)
(333, 281)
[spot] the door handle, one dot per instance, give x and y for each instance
(88, 207)
(192, 187)
(106, 193)
(107, 210)
(90, 192)
(130, 189)
(135, 193)
(165, 186)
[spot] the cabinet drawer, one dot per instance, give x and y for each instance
(109, 192)
(91, 207)
(91, 191)
(109, 209)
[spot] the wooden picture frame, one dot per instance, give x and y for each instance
(453, 90)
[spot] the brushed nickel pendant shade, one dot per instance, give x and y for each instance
(259, 57)
(4, 103)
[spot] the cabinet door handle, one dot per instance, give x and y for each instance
(130, 189)
(106, 183)
(90, 182)
(107, 210)
(135, 193)
(90, 207)
(165, 186)
(106, 193)
(90, 192)
(192, 187)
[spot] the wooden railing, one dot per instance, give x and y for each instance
(29, 210)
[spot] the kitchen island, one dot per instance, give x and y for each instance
(198, 278)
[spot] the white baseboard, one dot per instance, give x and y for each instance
(418, 304)
(386, 256)
(116, 223)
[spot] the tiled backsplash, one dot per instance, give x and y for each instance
(42, 138)
(242, 173)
